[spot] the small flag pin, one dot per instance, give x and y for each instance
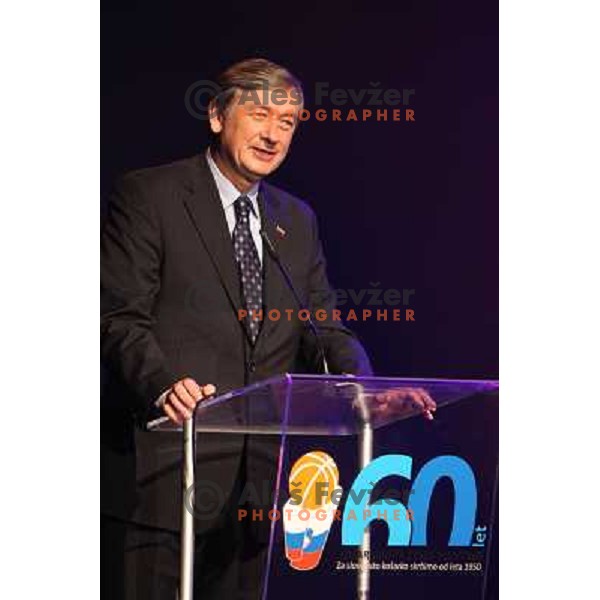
(281, 231)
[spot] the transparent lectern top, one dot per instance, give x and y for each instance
(323, 404)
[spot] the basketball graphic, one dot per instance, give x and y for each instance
(314, 477)
(310, 510)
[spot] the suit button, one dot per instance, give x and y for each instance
(251, 366)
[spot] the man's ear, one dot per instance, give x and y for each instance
(215, 118)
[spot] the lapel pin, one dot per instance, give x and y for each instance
(281, 231)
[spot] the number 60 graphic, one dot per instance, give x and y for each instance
(404, 531)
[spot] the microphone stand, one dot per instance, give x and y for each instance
(288, 280)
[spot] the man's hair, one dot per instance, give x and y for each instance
(254, 74)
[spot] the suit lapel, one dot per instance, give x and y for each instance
(205, 208)
(206, 211)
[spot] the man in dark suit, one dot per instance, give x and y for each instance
(182, 254)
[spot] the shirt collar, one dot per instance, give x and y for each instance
(227, 191)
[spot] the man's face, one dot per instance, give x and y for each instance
(255, 136)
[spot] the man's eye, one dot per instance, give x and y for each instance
(287, 124)
(261, 114)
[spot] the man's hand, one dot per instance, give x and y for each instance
(183, 397)
(404, 402)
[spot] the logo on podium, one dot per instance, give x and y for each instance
(309, 513)
(315, 495)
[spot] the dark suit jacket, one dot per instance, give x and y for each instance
(169, 296)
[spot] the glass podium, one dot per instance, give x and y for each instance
(373, 492)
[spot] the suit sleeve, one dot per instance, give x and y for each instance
(130, 259)
(345, 354)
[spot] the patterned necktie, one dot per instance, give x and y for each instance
(246, 256)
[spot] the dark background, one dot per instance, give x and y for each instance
(402, 205)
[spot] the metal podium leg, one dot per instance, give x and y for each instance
(363, 575)
(365, 457)
(186, 574)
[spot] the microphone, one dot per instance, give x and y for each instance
(288, 280)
